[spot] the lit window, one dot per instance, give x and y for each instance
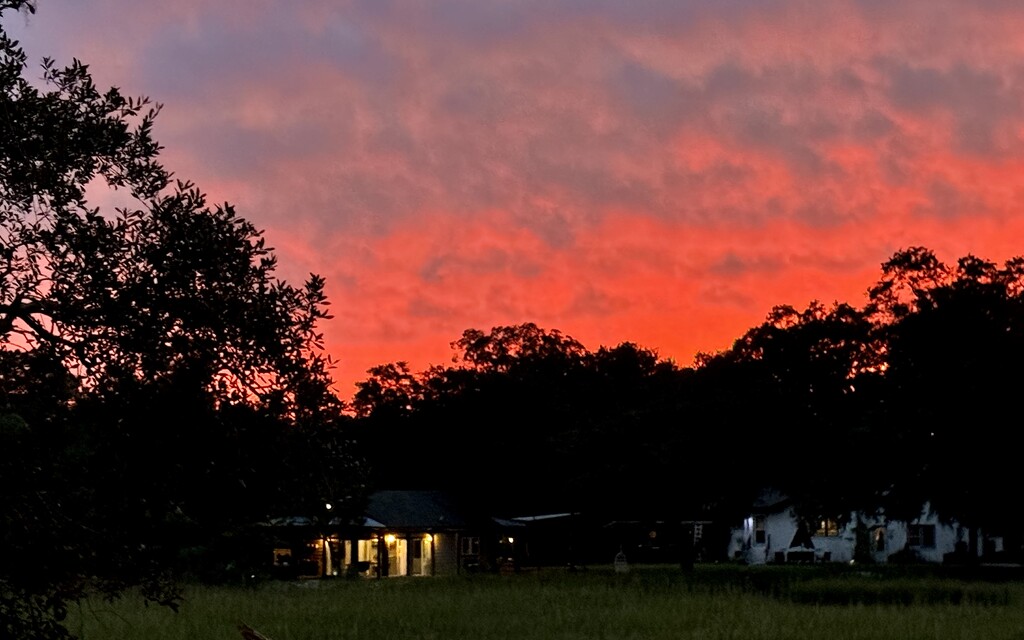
(282, 557)
(878, 537)
(827, 527)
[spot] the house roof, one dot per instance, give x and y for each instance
(770, 500)
(400, 509)
(546, 516)
(505, 523)
(287, 521)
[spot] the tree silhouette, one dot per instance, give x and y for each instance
(148, 356)
(885, 407)
(952, 381)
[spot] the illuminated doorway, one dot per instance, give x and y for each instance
(421, 562)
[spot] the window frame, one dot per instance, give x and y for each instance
(469, 545)
(760, 529)
(826, 527)
(921, 536)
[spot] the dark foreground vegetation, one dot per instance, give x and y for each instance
(651, 602)
(161, 390)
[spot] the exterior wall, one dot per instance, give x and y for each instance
(838, 548)
(933, 547)
(446, 554)
(779, 529)
(926, 537)
(887, 537)
(438, 554)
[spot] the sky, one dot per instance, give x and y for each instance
(660, 172)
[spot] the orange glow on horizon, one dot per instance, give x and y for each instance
(662, 175)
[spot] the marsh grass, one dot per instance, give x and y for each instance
(648, 602)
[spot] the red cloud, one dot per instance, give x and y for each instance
(663, 174)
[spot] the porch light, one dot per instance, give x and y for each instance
(389, 538)
(428, 538)
(511, 539)
(328, 506)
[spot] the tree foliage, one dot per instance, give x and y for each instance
(159, 385)
(169, 285)
(526, 419)
(951, 384)
(902, 401)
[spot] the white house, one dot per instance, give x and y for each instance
(775, 532)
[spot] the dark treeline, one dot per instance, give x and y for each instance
(910, 398)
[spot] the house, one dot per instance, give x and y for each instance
(654, 541)
(428, 533)
(402, 533)
(554, 539)
(775, 532)
(577, 539)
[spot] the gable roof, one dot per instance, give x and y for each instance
(420, 509)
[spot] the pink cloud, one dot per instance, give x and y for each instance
(662, 174)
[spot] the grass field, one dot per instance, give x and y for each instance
(648, 602)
